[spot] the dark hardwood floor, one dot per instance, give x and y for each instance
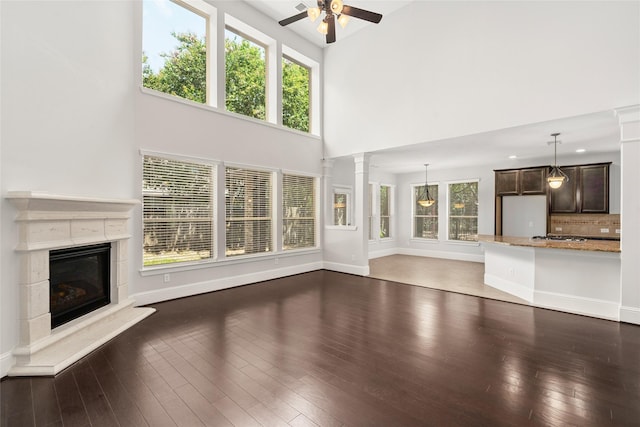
(332, 349)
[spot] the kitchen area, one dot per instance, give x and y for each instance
(557, 248)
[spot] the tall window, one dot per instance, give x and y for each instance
(370, 211)
(248, 211)
(299, 212)
(425, 218)
(341, 206)
(246, 75)
(174, 50)
(295, 95)
(463, 211)
(177, 211)
(385, 211)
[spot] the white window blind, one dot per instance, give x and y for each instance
(299, 212)
(248, 211)
(177, 210)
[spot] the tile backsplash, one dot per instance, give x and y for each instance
(588, 225)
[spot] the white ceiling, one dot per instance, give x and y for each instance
(281, 9)
(595, 133)
(531, 144)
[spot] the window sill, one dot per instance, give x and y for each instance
(341, 227)
(183, 101)
(214, 263)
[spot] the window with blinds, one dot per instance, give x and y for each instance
(177, 210)
(248, 209)
(299, 212)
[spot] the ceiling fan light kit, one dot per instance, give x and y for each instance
(332, 8)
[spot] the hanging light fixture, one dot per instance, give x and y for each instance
(425, 199)
(556, 177)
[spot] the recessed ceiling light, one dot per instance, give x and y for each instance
(513, 156)
(580, 150)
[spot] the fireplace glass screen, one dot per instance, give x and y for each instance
(79, 281)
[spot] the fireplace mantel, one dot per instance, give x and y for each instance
(51, 221)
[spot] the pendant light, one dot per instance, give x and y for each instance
(425, 199)
(556, 177)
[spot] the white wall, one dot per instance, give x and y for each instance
(435, 70)
(74, 119)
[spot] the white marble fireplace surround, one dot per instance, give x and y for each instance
(47, 222)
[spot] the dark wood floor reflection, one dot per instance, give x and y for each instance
(331, 349)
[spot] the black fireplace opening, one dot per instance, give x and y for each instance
(79, 281)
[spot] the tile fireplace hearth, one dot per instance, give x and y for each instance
(49, 223)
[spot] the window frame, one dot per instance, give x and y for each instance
(414, 215)
(316, 212)
(390, 200)
(273, 242)
(347, 193)
(449, 216)
(213, 218)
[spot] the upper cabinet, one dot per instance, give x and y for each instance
(515, 182)
(586, 192)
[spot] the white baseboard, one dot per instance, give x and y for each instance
(383, 252)
(150, 297)
(459, 256)
(578, 305)
(358, 270)
(512, 288)
(6, 362)
(630, 315)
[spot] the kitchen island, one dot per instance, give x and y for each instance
(576, 277)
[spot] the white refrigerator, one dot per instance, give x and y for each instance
(524, 216)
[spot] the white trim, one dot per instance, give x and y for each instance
(509, 287)
(6, 362)
(358, 270)
(150, 297)
(630, 315)
(442, 254)
(382, 252)
(341, 227)
(603, 309)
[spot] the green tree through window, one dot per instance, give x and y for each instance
(295, 95)
(246, 76)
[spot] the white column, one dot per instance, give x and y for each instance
(361, 214)
(629, 119)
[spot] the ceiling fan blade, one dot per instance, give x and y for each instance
(331, 30)
(361, 14)
(293, 18)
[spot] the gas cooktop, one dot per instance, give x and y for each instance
(557, 237)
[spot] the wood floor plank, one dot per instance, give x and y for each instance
(332, 349)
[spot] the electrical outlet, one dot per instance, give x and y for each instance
(558, 228)
(167, 278)
(276, 261)
(617, 231)
(604, 230)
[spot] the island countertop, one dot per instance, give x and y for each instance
(588, 245)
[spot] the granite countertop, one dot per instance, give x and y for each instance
(589, 245)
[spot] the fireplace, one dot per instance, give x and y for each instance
(79, 281)
(73, 262)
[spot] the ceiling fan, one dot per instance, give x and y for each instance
(333, 8)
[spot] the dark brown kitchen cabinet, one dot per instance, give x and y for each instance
(565, 198)
(594, 188)
(533, 181)
(515, 182)
(586, 192)
(507, 183)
